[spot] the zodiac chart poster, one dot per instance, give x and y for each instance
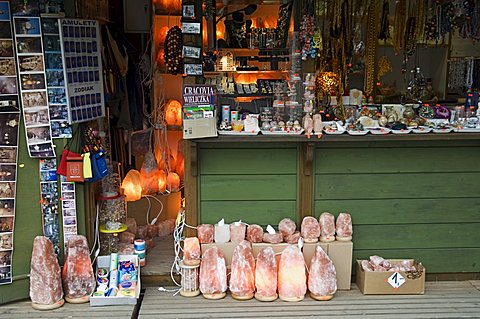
(33, 86)
(9, 125)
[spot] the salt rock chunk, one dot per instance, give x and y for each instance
(308, 124)
(149, 244)
(322, 280)
(327, 227)
(266, 275)
(132, 225)
(142, 232)
(376, 260)
(213, 274)
(310, 229)
(191, 251)
(126, 249)
(77, 275)
(152, 231)
(126, 237)
(292, 281)
(170, 225)
(163, 229)
(287, 227)
(242, 280)
(237, 232)
(254, 233)
(366, 265)
(205, 233)
(344, 227)
(293, 238)
(276, 238)
(45, 276)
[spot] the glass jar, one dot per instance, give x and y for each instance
(109, 243)
(112, 210)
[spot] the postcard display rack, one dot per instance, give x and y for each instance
(9, 126)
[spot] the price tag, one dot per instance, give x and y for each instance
(396, 280)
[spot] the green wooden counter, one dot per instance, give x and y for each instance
(410, 196)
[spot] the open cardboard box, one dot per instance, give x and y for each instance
(339, 252)
(104, 262)
(377, 282)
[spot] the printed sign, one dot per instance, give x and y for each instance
(396, 280)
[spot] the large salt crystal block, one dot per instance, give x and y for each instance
(77, 275)
(310, 229)
(322, 280)
(276, 238)
(149, 244)
(254, 233)
(287, 227)
(222, 233)
(344, 227)
(327, 227)
(213, 274)
(45, 275)
(142, 232)
(132, 225)
(152, 231)
(292, 280)
(293, 238)
(126, 249)
(242, 279)
(205, 233)
(266, 275)
(191, 251)
(126, 237)
(163, 229)
(237, 232)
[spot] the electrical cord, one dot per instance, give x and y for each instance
(154, 221)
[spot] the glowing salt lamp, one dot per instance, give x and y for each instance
(173, 181)
(132, 187)
(173, 113)
(292, 280)
(162, 181)
(242, 280)
(149, 175)
(191, 251)
(266, 275)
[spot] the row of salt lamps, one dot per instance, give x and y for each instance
(264, 277)
(132, 184)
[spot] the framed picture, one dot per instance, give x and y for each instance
(191, 52)
(193, 69)
(191, 27)
(188, 11)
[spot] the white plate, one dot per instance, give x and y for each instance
(422, 130)
(333, 132)
(357, 132)
(282, 132)
(442, 130)
(243, 133)
(401, 131)
(467, 130)
(380, 131)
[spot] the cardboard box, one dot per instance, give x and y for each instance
(378, 283)
(340, 252)
(104, 262)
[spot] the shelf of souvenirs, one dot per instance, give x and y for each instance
(253, 71)
(255, 53)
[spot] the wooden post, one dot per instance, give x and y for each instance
(306, 176)
(191, 186)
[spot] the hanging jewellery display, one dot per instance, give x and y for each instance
(373, 25)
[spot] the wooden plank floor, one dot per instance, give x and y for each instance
(446, 299)
(159, 258)
(24, 310)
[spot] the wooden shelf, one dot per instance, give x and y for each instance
(340, 138)
(213, 73)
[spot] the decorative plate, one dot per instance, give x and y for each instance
(442, 130)
(332, 132)
(282, 132)
(379, 130)
(357, 132)
(467, 130)
(422, 130)
(242, 133)
(405, 131)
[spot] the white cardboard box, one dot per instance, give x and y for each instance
(104, 262)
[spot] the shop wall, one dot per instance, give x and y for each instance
(254, 184)
(28, 220)
(407, 200)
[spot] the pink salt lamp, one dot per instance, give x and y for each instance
(237, 232)
(310, 229)
(322, 280)
(292, 280)
(266, 275)
(344, 227)
(191, 251)
(205, 233)
(213, 274)
(242, 280)
(254, 233)
(327, 227)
